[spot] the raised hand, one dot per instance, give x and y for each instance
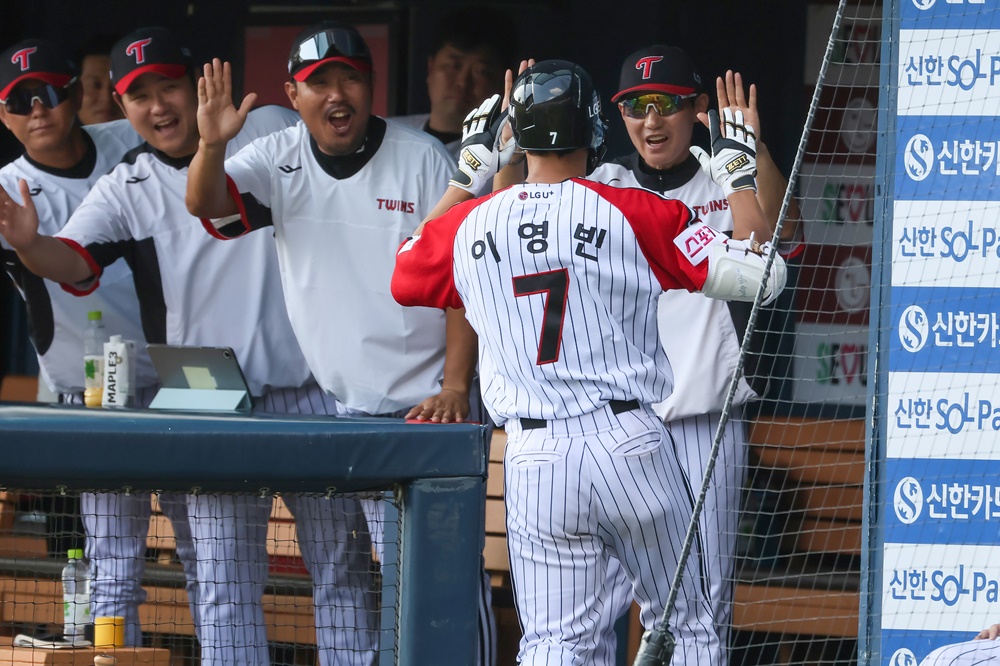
(730, 92)
(18, 223)
(506, 133)
(218, 118)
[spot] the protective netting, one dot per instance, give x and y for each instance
(797, 576)
(270, 578)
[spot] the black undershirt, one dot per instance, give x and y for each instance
(81, 169)
(660, 180)
(345, 166)
(443, 137)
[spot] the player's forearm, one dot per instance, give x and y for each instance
(512, 174)
(453, 195)
(461, 352)
(748, 218)
(207, 196)
(50, 258)
(771, 186)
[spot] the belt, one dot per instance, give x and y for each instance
(617, 407)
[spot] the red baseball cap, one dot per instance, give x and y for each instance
(329, 41)
(147, 50)
(658, 68)
(35, 59)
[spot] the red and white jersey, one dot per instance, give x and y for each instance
(57, 319)
(338, 223)
(193, 290)
(561, 282)
(700, 387)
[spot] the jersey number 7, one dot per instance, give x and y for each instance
(555, 286)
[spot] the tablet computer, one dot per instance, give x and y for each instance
(199, 378)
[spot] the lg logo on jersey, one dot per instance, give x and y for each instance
(396, 204)
(533, 196)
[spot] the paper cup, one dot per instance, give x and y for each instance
(109, 632)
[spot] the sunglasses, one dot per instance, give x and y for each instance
(664, 104)
(330, 43)
(21, 100)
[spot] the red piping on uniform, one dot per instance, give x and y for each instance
(91, 264)
(234, 194)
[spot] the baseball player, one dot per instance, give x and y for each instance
(983, 649)
(95, 69)
(560, 278)
(341, 191)
(469, 50)
(661, 96)
(39, 100)
(194, 291)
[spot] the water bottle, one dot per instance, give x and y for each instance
(93, 360)
(76, 596)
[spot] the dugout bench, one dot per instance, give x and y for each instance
(438, 473)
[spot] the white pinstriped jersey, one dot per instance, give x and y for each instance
(700, 387)
(561, 282)
(337, 235)
(57, 318)
(193, 290)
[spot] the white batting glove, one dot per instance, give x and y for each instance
(479, 159)
(734, 151)
(704, 159)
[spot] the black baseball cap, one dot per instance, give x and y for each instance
(148, 50)
(658, 68)
(35, 59)
(329, 41)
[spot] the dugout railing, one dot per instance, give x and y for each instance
(436, 472)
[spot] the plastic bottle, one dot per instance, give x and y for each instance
(76, 596)
(93, 360)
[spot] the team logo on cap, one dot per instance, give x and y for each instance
(20, 58)
(646, 65)
(138, 49)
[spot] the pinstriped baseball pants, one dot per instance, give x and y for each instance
(117, 525)
(969, 653)
(230, 533)
(718, 522)
(580, 493)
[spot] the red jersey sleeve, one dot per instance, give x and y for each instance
(425, 264)
(670, 235)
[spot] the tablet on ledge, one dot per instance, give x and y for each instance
(199, 379)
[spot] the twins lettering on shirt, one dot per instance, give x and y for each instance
(716, 206)
(396, 205)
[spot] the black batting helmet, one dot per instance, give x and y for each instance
(554, 106)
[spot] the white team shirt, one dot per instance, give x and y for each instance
(561, 282)
(337, 241)
(193, 290)
(418, 121)
(700, 383)
(57, 318)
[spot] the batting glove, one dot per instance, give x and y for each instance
(479, 159)
(734, 151)
(704, 159)
(475, 157)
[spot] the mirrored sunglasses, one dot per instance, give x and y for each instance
(331, 43)
(20, 100)
(664, 104)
